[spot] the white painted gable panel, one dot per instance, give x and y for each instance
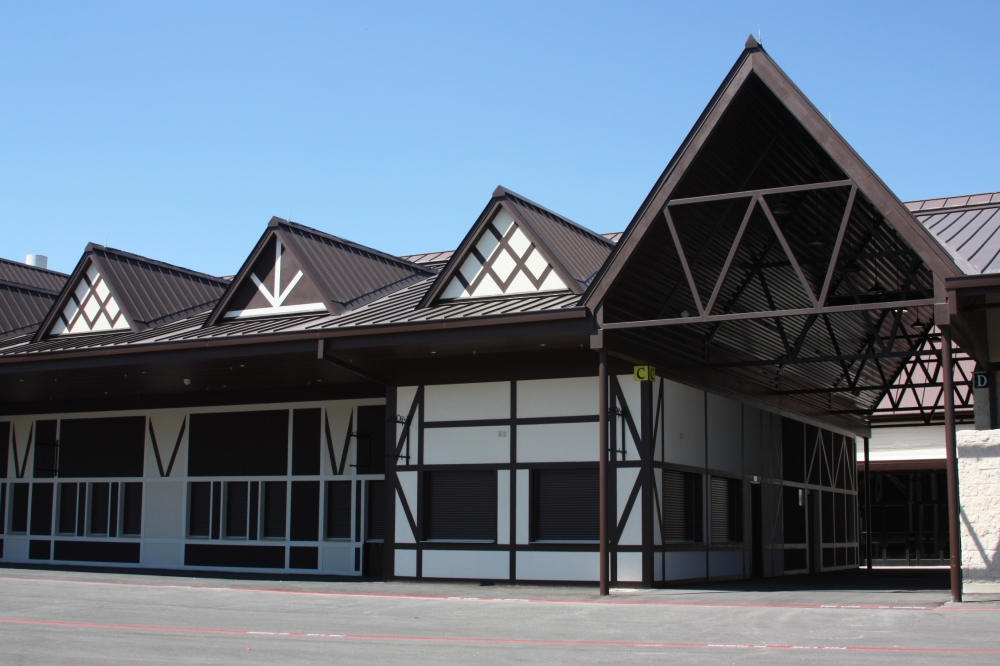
(91, 308)
(503, 261)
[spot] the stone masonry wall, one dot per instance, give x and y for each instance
(979, 491)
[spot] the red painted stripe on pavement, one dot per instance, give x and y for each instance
(487, 640)
(428, 597)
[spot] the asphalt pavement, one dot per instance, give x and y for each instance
(59, 616)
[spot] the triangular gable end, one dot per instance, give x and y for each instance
(275, 285)
(828, 158)
(504, 261)
(91, 307)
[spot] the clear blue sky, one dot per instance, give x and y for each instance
(176, 130)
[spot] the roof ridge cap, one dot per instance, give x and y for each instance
(93, 247)
(349, 243)
(503, 191)
(21, 264)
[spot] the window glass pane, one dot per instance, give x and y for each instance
(67, 508)
(274, 509)
(200, 509)
(132, 510)
(19, 508)
(236, 508)
(305, 511)
(100, 495)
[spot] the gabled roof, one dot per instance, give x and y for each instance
(967, 226)
(26, 295)
(756, 71)
(296, 269)
(114, 290)
(517, 246)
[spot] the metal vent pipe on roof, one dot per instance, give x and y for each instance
(37, 260)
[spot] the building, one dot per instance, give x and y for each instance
(332, 408)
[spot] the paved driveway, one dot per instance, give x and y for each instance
(50, 616)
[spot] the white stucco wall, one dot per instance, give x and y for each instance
(979, 491)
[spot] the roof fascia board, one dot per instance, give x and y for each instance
(678, 165)
(535, 237)
(240, 276)
(840, 150)
(294, 336)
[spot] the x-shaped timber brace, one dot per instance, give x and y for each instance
(911, 340)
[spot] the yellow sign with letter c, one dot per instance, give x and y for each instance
(644, 373)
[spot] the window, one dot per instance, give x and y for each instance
(565, 505)
(132, 509)
(338, 509)
(727, 510)
(100, 500)
(252, 443)
(19, 508)
(274, 509)
(305, 511)
(199, 509)
(682, 502)
(460, 506)
(237, 496)
(67, 508)
(41, 508)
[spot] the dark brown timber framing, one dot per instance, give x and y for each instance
(954, 525)
(602, 383)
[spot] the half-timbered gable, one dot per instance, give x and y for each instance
(111, 290)
(518, 247)
(296, 270)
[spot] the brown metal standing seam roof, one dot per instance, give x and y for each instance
(26, 295)
(967, 226)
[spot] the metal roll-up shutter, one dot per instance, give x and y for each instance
(460, 505)
(338, 509)
(565, 505)
(674, 507)
(720, 510)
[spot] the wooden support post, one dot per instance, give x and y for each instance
(954, 541)
(603, 471)
(868, 507)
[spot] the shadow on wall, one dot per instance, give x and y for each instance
(979, 490)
